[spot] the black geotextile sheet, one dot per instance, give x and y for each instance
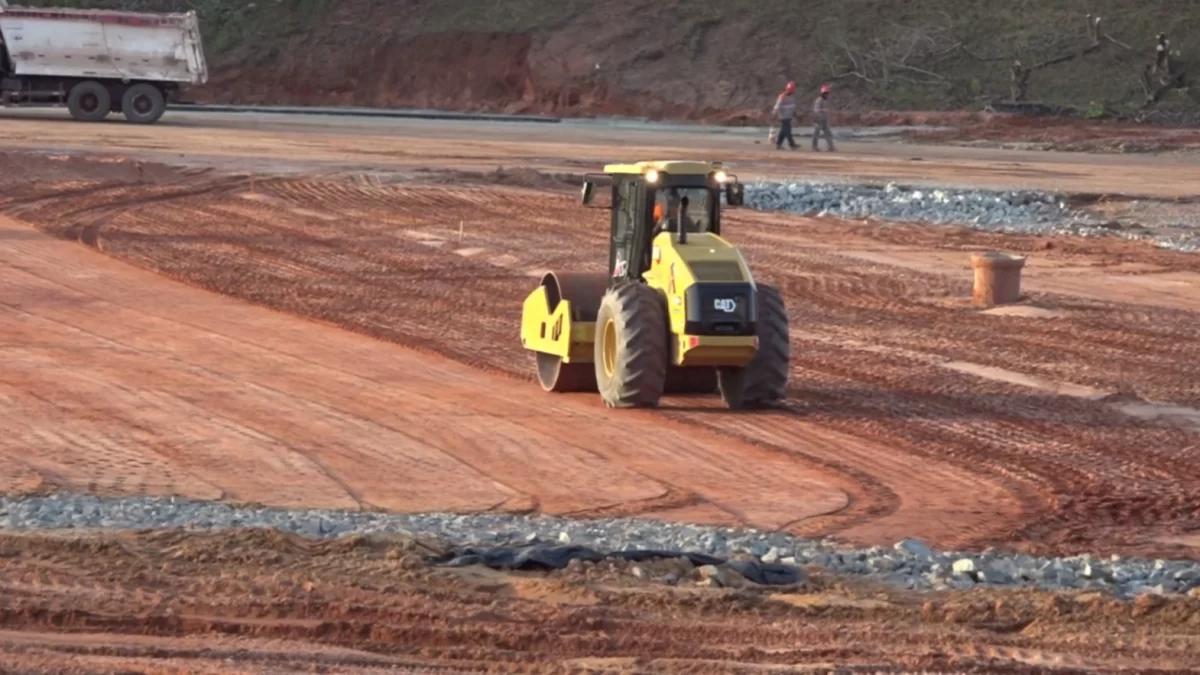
(537, 556)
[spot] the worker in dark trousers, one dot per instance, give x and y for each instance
(785, 112)
(821, 118)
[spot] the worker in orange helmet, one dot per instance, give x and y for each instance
(821, 118)
(785, 112)
(670, 207)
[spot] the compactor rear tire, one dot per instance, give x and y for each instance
(559, 377)
(631, 347)
(763, 382)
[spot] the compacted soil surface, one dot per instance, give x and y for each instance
(1060, 425)
(308, 314)
(263, 602)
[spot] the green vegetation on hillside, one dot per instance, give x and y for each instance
(716, 55)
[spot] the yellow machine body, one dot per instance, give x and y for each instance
(678, 167)
(550, 322)
(674, 268)
(706, 296)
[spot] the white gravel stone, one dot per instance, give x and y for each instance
(964, 566)
(883, 564)
(772, 556)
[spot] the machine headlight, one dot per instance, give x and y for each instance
(720, 176)
(651, 176)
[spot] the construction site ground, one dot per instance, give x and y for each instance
(323, 312)
(263, 602)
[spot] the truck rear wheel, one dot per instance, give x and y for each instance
(631, 347)
(89, 101)
(763, 382)
(143, 104)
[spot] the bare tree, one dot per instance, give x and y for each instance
(890, 56)
(1164, 74)
(1019, 89)
(1162, 54)
(1097, 40)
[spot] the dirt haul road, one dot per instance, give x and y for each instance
(1066, 426)
(274, 142)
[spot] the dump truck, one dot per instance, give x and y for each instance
(678, 310)
(97, 62)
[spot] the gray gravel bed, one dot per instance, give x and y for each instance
(1012, 211)
(909, 564)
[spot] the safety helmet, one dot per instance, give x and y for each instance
(791, 86)
(825, 89)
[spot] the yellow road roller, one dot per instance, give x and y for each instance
(678, 311)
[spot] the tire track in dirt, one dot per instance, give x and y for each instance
(259, 601)
(757, 506)
(971, 459)
(1068, 449)
(863, 497)
(405, 433)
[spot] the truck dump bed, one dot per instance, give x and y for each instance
(103, 44)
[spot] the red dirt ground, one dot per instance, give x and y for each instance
(257, 602)
(1062, 134)
(248, 143)
(927, 418)
(1042, 427)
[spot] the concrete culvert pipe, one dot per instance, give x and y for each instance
(997, 278)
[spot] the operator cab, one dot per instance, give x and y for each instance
(649, 198)
(688, 207)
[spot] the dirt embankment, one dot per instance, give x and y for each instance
(452, 70)
(576, 61)
(449, 71)
(716, 62)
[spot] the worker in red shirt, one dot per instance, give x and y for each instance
(785, 112)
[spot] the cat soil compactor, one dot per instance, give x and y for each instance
(678, 310)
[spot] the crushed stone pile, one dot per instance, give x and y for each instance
(520, 542)
(1011, 211)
